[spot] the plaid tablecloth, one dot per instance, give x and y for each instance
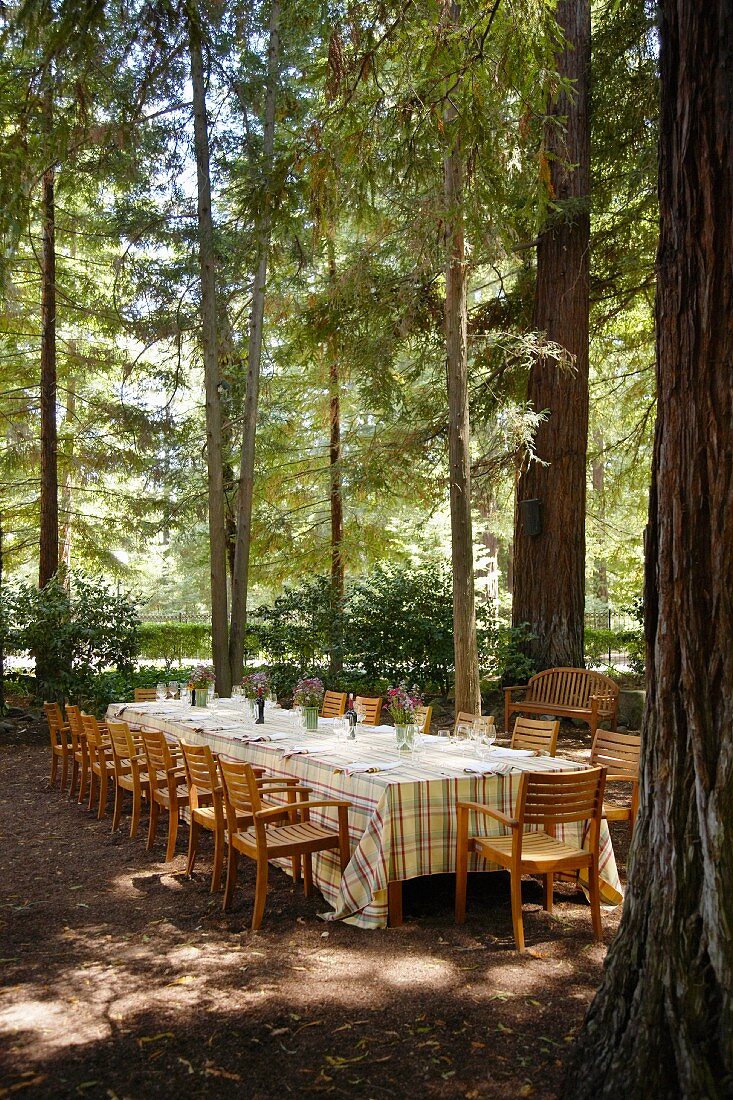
(402, 821)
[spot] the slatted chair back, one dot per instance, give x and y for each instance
(541, 736)
(373, 708)
(158, 755)
(201, 773)
(145, 695)
(334, 704)
(548, 799)
(423, 718)
(237, 794)
(61, 749)
(618, 752)
(101, 763)
(123, 746)
(465, 718)
(55, 720)
(570, 687)
(130, 774)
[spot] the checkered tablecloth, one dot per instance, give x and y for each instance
(402, 821)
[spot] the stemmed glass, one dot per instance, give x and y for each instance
(360, 712)
(463, 733)
(485, 737)
(340, 727)
(161, 692)
(173, 689)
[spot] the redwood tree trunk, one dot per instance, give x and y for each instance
(467, 685)
(335, 492)
(240, 576)
(549, 567)
(48, 558)
(217, 533)
(662, 1022)
(66, 495)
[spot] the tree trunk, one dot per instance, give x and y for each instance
(3, 625)
(598, 475)
(217, 535)
(69, 462)
(549, 566)
(336, 662)
(48, 558)
(662, 1021)
(240, 578)
(467, 686)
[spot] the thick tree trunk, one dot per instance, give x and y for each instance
(662, 1022)
(240, 578)
(217, 533)
(336, 499)
(48, 558)
(549, 567)
(598, 475)
(467, 685)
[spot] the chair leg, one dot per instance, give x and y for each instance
(117, 812)
(74, 775)
(64, 771)
(232, 866)
(517, 924)
(54, 766)
(103, 782)
(193, 844)
(549, 883)
(84, 776)
(260, 892)
(461, 866)
(136, 811)
(153, 822)
(216, 873)
(307, 874)
(92, 788)
(172, 831)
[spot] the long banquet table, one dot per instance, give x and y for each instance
(402, 820)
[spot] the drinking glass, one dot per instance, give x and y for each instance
(340, 728)
(214, 699)
(360, 712)
(463, 733)
(173, 689)
(210, 692)
(237, 691)
(161, 692)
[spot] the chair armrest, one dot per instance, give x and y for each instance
(179, 770)
(517, 687)
(480, 808)
(290, 781)
(623, 778)
(263, 815)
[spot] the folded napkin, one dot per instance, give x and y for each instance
(514, 752)
(362, 767)
(487, 767)
(260, 735)
(309, 748)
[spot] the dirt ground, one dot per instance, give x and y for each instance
(121, 978)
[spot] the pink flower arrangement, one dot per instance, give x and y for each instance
(255, 684)
(202, 676)
(401, 703)
(308, 692)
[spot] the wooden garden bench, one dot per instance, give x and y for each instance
(566, 693)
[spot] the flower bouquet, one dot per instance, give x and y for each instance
(401, 705)
(255, 684)
(202, 677)
(308, 695)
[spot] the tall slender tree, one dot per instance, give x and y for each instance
(662, 1021)
(549, 564)
(48, 559)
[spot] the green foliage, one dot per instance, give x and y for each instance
(171, 642)
(509, 660)
(73, 634)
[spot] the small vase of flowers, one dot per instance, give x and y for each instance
(308, 695)
(254, 686)
(201, 678)
(401, 705)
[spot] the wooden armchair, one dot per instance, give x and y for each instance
(167, 786)
(61, 746)
(130, 773)
(80, 753)
(334, 704)
(373, 708)
(206, 806)
(544, 801)
(145, 695)
(267, 839)
(619, 753)
(529, 733)
(101, 762)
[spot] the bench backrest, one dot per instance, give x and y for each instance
(570, 687)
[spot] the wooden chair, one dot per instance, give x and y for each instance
(486, 720)
(266, 839)
(167, 786)
(130, 774)
(80, 763)
(423, 718)
(544, 801)
(146, 695)
(619, 753)
(101, 762)
(528, 733)
(373, 708)
(206, 806)
(61, 746)
(334, 704)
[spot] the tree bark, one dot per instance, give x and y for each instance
(662, 1021)
(48, 558)
(549, 567)
(240, 578)
(467, 683)
(68, 526)
(336, 500)
(217, 534)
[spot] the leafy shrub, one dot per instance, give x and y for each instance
(73, 633)
(175, 642)
(511, 659)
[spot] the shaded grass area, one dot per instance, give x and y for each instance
(122, 978)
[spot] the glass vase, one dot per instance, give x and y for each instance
(201, 696)
(310, 715)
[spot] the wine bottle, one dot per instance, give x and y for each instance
(351, 715)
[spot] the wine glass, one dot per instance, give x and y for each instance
(173, 689)
(340, 727)
(237, 691)
(463, 733)
(360, 710)
(161, 692)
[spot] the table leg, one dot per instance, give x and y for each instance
(394, 902)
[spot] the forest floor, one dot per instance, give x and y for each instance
(121, 978)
